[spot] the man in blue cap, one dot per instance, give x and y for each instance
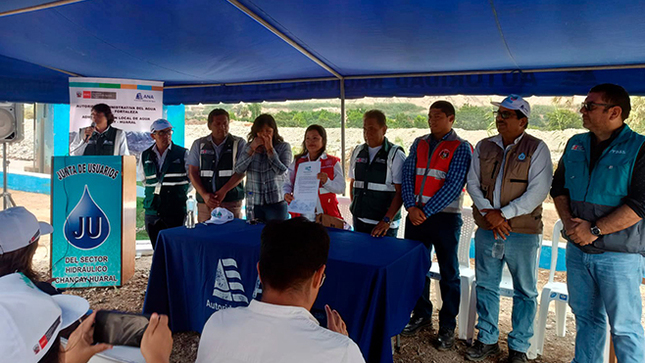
(162, 169)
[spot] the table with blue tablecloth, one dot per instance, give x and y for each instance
(374, 283)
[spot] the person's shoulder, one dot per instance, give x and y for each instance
(237, 138)
(220, 320)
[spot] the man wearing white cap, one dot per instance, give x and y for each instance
(31, 321)
(164, 173)
(508, 180)
(19, 238)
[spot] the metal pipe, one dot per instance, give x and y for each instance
(284, 37)
(39, 7)
(342, 126)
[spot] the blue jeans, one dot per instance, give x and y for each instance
(271, 212)
(606, 285)
(442, 231)
(520, 254)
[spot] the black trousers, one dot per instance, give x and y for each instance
(154, 224)
(442, 231)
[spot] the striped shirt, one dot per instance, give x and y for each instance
(265, 174)
(453, 185)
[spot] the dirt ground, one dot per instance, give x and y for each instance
(414, 349)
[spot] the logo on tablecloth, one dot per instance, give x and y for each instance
(228, 282)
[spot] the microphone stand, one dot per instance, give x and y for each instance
(6, 196)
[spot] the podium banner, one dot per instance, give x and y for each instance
(87, 219)
(136, 104)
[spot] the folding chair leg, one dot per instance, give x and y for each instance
(398, 343)
(543, 313)
(464, 308)
(472, 314)
(437, 292)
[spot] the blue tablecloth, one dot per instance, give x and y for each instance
(374, 283)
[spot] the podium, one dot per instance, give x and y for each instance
(93, 206)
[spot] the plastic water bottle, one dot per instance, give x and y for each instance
(250, 215)
(498, 249)
(191, 217)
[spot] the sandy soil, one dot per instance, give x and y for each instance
(415, 349)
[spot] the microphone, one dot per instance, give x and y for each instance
(93, 131)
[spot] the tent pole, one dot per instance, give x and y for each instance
(39, 7)
(342, 126)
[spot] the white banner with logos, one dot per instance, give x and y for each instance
(136, 104)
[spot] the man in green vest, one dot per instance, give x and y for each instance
(599, 192)
(162, 169)
(211, 162)
(508, 180)
(375, 173)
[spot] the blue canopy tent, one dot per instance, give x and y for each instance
(267, 50)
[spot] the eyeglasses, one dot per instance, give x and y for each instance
(590, 106)
(504, 114)
(163, 133)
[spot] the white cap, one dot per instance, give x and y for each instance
(160, 124)
(30, 320)
(19, 229)
(515, 102)
(220, 215)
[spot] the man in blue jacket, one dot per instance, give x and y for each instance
(599, 193)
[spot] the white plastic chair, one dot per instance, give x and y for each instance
(466, 273)
(343, 206)
(552, 291)
(505, 289)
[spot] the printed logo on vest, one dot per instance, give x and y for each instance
(577, 147)
(521, 157)
(228, 282)
(444, 154)
(361, 160)
(621, 152)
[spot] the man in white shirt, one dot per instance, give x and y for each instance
(509, 178)
(375, 173)
(280, 328)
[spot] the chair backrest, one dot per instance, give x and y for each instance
(555, 240)
(465, 237)
(343, 206)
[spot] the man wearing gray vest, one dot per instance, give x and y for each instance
(211, 163)
(508, 180)
(375, 173)
(162, 169)
(599, 192)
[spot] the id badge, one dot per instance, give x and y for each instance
(158, 189)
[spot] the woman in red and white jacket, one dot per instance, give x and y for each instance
(332, 180)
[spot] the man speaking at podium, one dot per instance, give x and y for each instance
(162, 169)
(100, 138)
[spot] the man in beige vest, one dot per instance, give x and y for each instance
(508, 180)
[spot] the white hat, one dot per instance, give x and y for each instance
(220, 216)
(19, 229)
(160, 124)
(30, 320)
(515, 102)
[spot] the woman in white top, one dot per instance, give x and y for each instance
(332, 180)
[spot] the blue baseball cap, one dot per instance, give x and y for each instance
(160, 124)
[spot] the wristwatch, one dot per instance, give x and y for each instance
(387, 220)
(596, 231)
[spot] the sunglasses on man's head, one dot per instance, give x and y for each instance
(590, 106)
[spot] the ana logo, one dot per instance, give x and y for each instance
(87, 226)
(577, 147)
(521, 157)
(307, 168)
(444, 153)
(228, 282)
(143, 96)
